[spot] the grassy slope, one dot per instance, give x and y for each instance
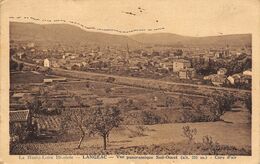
(236, 132)
(161, 134)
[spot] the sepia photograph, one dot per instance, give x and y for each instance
(130, 78)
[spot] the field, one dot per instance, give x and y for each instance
(164, 134)
(135, 136)
(27, 77)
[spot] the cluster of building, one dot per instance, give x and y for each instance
(178, 63)
(219, 79)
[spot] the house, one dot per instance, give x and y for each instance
(181, 64)
(15, 105)
(46, 63)
(50, 63)
(246, 79)
(19, 119)
(247, 72)
(216, 79)
(84, 63)
(240, 80)
(187, 73)
(17, 96)
(219, 80)
(222, 71)
(59, 79)
(166, 65)
(134, 68)
(234, 79)
(219, 55)
(47, 80)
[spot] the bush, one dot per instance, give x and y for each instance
(188, 115)
(169, 102)
(108, 90)
(110, 79)
(209, 145)
(202, 114)
(150, 118)
(186, 102)
(189, 133)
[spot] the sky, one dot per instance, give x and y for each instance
(184, 17)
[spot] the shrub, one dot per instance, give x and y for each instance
(189, 133)
(108, 90)
(186, 102)
(209, 145)
(169, 102)
(110, 79)
(150, 118)
(187, 116)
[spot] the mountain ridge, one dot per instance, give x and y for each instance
(73, 35)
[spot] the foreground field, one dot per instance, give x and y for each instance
(167, 137)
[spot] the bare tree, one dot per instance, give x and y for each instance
(189, 133)
(103, 120)
(77, 118)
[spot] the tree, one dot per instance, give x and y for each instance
(18, 133)
(52, 107)
(32, 103)
(169, 101)
(77, 118)
(35, 106)
(220, 103)
(103, 120)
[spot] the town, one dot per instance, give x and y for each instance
(225, 66)
(128, 97)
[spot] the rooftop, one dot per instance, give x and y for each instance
(19, 115)
(18, 95)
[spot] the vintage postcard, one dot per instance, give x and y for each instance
(96, 81)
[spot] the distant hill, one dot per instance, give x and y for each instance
(179, 40)
(65, 34)
(72, 35)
